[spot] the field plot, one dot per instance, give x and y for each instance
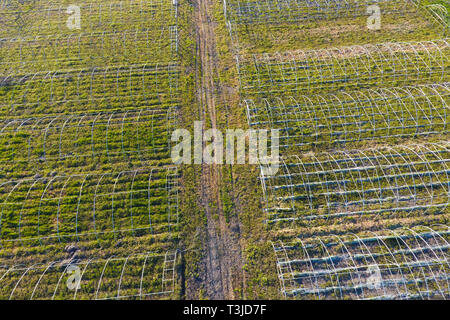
(134, 134)
(411, 179)
(86, 113)
(325, 24)
(293, 11)
(115, 77)
(124, 87)
(362, 117)
(136, 276)
(50, 18)
(391, 264)
(349, 118)
(70, 208)
(91, 92)
(355, 66)
(41, 53)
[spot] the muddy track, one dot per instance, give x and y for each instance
(222, 250)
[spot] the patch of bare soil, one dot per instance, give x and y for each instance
(223, 256)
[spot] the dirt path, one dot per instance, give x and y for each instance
(222, 250)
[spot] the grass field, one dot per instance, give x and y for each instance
(361, 162)
(358, 209)
(87, 181)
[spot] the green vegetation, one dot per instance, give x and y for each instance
(86, 121)
(87, 182)
(349, 104)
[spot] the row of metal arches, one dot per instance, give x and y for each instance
(407, 178)
(107, 79)
(63, 131)
(17, 276)
(288, 4)
(411, 263)
(60, 48)
(351, 115)
(166, 180)
(282, 11)
(340, 65)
